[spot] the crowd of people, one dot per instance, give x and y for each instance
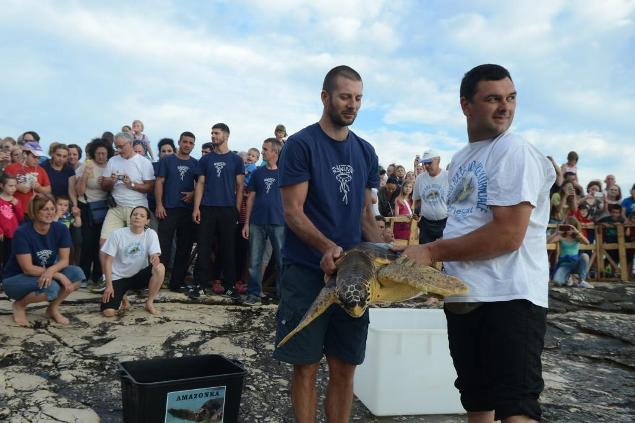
(231, 198)
(422, 195)
(117, 220)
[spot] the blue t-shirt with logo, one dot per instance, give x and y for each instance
(338, 173)
(43, 248)
(220, 172)
(180, 176)
(58, 178)
(267, 209)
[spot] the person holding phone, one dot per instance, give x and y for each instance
(593, 200)
(570, 259)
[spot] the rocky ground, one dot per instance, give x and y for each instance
(54, 373)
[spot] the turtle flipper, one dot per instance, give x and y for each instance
(325, 298)
(388, 291)
(424, 278)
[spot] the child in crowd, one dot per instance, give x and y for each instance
(403, 207)
(582, 214)
(572, 163)
(64, 215)
(570, 259)
(385, 231)
(610, 230)
(253, 155)
(138, 135)
(11, 214)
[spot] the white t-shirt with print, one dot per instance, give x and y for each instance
(433, 192)
(130, 251)
(139, 169)
(503, 171)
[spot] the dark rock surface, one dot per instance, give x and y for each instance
(52, 373)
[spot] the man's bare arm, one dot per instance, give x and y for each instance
(504, 234)
(293, 198)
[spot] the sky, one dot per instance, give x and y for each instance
(71, 70)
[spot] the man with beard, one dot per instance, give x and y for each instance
(174, 193)
(326, 176)
(494, 240)
(217, 200)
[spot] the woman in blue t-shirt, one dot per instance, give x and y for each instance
(38, 268)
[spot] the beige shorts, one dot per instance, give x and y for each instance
(117, 217)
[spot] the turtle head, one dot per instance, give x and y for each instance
(353, 295)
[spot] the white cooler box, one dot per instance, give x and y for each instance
(408, 369)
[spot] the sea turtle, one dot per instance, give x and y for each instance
(371, 273)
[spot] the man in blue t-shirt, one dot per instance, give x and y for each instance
(217, 200)
(264, 219)
(174, 193)
(326, 176)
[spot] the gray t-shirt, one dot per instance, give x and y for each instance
(433, 193)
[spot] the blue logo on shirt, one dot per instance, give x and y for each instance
(344, 175)
(466, 181)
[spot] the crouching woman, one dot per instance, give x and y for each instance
(131, 261)
(38, 269)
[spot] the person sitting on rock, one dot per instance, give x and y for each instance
(38, 268)
(131, 261)
(570, 259)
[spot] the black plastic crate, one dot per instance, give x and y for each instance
(170, 390)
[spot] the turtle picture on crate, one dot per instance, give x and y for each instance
(204, 405)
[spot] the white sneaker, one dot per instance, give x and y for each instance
(585, 284)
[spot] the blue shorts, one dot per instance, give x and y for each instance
(334, 333)
(19, 286)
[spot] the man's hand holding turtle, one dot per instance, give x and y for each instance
(327, 264)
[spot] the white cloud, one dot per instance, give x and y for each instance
(600, 153)
(177, 69)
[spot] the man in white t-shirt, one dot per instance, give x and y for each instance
(430, 194)
(129, 177)
(494, 240)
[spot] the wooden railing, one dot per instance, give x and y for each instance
(598, 251)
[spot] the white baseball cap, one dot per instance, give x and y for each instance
(428, 155)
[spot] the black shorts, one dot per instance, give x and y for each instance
(121, 286)
(334, 333)
(496, 351)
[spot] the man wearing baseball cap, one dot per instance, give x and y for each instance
(31, 176)
(430, 195)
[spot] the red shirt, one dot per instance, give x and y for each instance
(27, 175)
(10, 217)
